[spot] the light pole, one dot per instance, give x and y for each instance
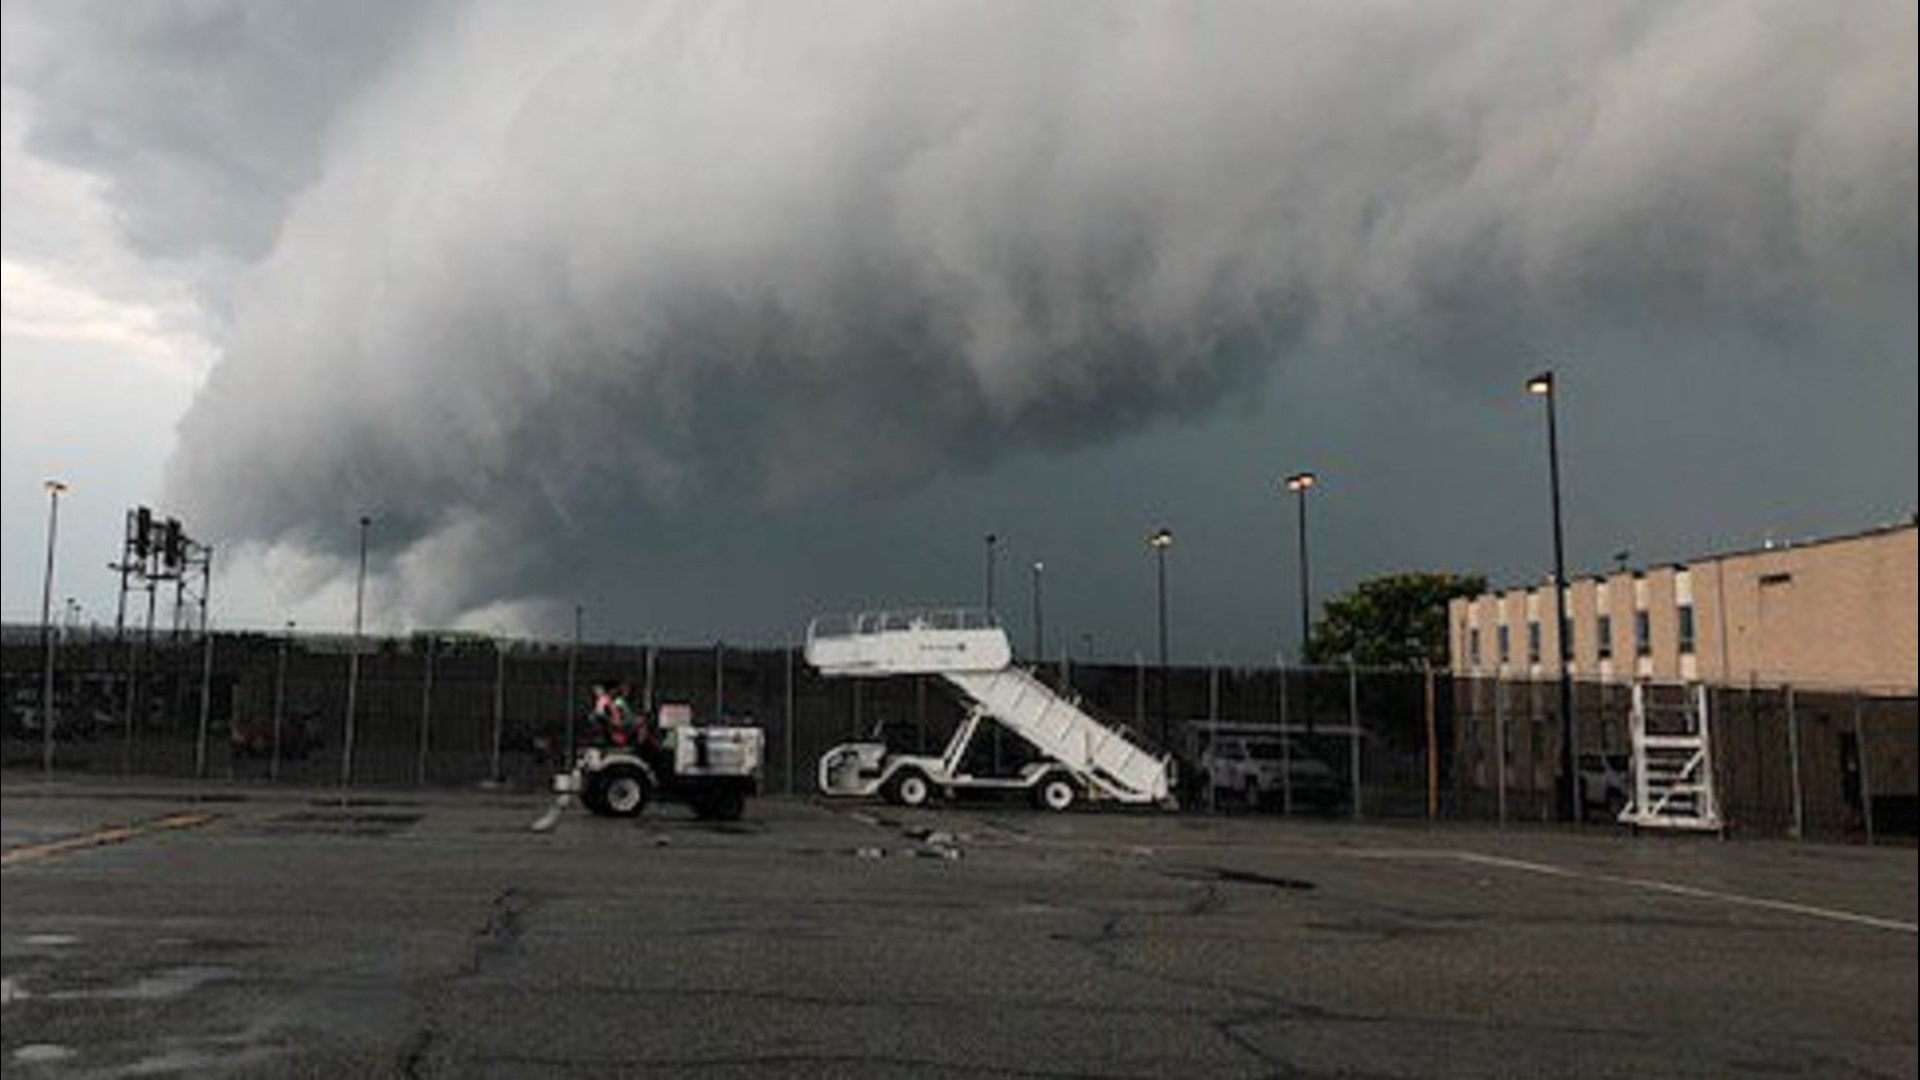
(54, 489)
(1541, 385)
(1300, 483)
(353, 660)
(1160, 541)
(1039, 625)
(993, 543)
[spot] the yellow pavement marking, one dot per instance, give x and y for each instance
(111, 834)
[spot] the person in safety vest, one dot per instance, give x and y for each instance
(607, 719)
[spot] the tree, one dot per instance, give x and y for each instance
(1397, 620)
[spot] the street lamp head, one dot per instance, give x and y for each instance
(1162, 539)
(1038, 566)
(1301, 481)
(55, 487)
(1541, 385)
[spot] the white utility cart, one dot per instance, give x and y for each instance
(712, 769)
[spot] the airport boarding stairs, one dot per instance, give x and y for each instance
(970, 651)
(1673, 785)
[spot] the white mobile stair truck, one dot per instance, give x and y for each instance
(1079, 756)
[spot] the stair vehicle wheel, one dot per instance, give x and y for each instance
(623, 790)
(1056, 793)
(910, 788)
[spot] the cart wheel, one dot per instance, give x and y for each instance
(1056, 793)
(623, 790)
(910, 788)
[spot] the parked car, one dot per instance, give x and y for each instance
(1258, 770)
(84, 720)
(301, 734)
(1606, 784)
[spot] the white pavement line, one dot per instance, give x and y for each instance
(1692, 891)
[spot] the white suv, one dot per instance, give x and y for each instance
(1258, 769)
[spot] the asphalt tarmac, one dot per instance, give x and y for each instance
(152, 929)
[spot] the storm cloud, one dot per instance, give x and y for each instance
(527, 281)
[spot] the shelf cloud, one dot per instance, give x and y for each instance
(527, 279)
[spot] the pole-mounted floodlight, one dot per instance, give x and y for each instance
(1160, 541)
(1300, 483)
(1039, 616)
(55, 489)
(1542, 385)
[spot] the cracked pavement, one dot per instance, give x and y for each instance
(433, 934)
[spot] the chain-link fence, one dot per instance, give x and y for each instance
(1787, 761)
(450, 710)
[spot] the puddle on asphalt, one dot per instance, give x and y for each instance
(42, 1053)
(11, 991)
(169, 984)
(1240, 877)
(51, 940)
(202, 1057)
(339, 822)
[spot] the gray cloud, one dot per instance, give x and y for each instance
(534, 281)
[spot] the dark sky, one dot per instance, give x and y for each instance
(713, 317)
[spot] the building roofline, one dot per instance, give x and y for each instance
(1910, 524)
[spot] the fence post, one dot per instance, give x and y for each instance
(206, 700)
(1793, 765)
(790, 720)
(1353, 734)
(1140, 694)
(573, 690)
(1433, 741)
(280, 704)
(353, 708)
(1500, 747)
(1286, 742)
(499, 708)
(646, 694)
(719, 681)
(1866, 780)
(426, 714)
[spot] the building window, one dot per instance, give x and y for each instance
(1603, 635)
(1686, 628)
(1506, 644)
(1642, 634)
(1473, 646)
(1533, 641)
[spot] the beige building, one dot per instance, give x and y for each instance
(1838, 612)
